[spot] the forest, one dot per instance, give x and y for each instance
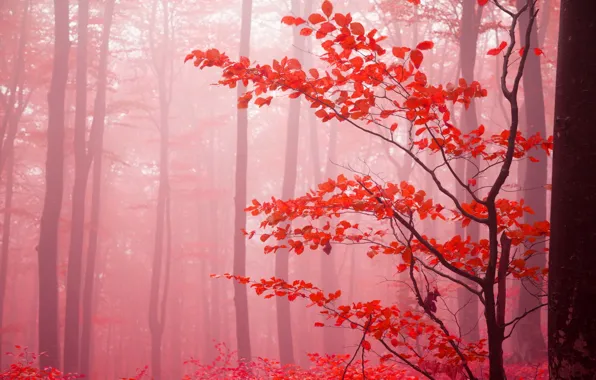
(297, 189)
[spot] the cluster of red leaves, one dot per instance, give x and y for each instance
(24, 367)
(227, 366)
(364, 85)
(386, 324)
(336, 198)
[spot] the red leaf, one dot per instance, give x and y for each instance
(319, 324)
(288, 20)
(366, 345)
(400, 52)
(294, 64)
(306, 32)
(538, 51)
(316, 18)
(416, 56)
(482, 2)
(327, 8)
(425, 45)
(357, 28)
(496, 51)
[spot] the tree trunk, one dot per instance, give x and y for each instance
(468, 303)
(96, 149)
(284, 317)
(54, 175)
(529, 341)
(572, 262)
(10, 124)
(7, 220)
(333, 337)
(79, 192)
(162, 240)
(240, 291)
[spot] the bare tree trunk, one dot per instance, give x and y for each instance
(530, 344)
(468, 303)
(50, 217)
(163, 236)
(209, 288)
(7, 220)
(96, 149)
(79, 192)
(284, 317)
(10, 124)
(240, 291)
(572, 262)
(333, 338)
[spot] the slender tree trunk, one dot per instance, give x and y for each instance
(7, 220)
(79, 192)
(96, 149)
(162, 241)
(468, 303)
(54, 175)
(572, 262)
(282, 258)
(333, 338)
(210, 288)
(10, 124)
(240, 291)
(530, 344)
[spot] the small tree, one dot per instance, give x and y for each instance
(366, 87)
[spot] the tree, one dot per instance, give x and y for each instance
(159, 289)
(240, 296)
(8, 130)
(364, 89)
(572, 263)
(468, 41)
(96, 151)
(79, 193)
(48, 234)
(528, 337)
(284, 316)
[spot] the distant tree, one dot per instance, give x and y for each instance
(96, 152)
(54, 176)
(240, 294)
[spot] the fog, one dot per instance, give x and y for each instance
(125, 172)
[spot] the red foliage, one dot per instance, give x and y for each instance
(363, 86)
(24, 367)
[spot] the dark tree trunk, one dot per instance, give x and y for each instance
(240, 291)
(54, 175)
(96, 148)
(468, 303)
(572, 262)
(529, 342)
(79, 192)
(284, 316)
